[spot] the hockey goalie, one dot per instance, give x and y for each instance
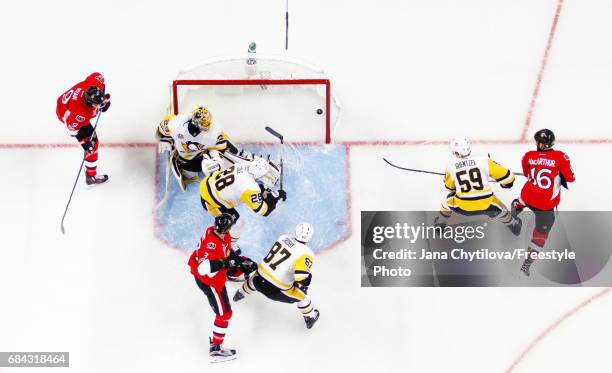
(195, 145)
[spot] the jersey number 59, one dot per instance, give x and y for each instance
(469, 180)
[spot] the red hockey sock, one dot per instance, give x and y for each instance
(91, 160)
(219, 328)
(539, 238)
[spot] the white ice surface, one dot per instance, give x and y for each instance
(120, 300)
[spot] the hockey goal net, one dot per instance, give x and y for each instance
(245, 93)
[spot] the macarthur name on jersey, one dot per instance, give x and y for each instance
(288, 261)
(468, 179)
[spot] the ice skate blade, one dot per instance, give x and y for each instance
(221, 359)
(93, 186)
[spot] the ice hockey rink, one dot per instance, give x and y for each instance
(410, 75)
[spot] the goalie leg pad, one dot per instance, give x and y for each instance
(176, 171)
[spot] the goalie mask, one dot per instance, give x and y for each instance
(202, 118)
(460, 147)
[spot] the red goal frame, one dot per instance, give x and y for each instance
(325, 82)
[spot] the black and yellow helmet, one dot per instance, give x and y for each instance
(202, 118)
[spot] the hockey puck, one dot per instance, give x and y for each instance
(319, 111)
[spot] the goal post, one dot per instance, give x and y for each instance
(274, 91)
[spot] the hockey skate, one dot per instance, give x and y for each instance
(516, 226)
(526, 267)
(310, 321)
(514, 211)
(219, 354)
(238, 296)
(97, 179)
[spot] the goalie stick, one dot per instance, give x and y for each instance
(280, 137)
(77, 178)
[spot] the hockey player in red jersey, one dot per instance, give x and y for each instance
(209, 265)
(546, 170)
(75, 108)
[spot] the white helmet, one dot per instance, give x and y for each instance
(303, 232)
(460, 147)
(265, 171)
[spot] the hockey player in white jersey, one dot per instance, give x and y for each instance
(223, 190)
(284, 274)
(467, 181)
(195, 145)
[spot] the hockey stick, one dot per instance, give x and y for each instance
(412, 169)
(165, 197)
(428, 172)
(77, 178)
(280, 137)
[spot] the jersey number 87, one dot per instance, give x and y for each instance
(276, 249)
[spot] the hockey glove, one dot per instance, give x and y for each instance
(281, 194)
(106, 103)
(247, 266)
(563, 181)
(232, 262)
(508, 185)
